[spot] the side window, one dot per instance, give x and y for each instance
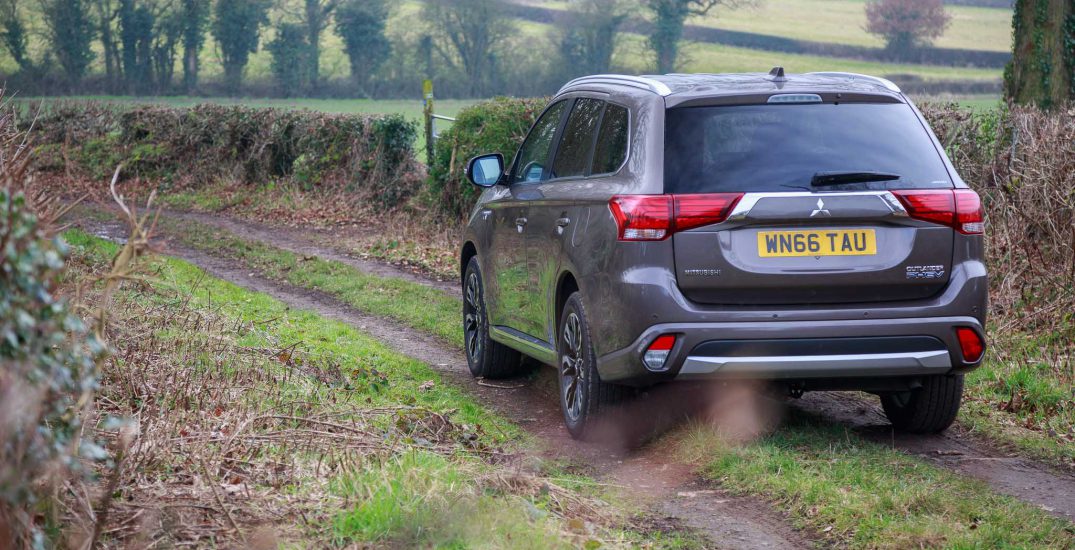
(576, 145)
(611, 149)
(534, 154)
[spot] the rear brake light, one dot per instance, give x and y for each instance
(655, 217)
(970, 344)
(657, 352)
(960, 209)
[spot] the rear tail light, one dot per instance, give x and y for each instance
(960, 209)
(970, 344)
(657, 353)
(655, 217)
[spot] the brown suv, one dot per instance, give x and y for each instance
(804, 229)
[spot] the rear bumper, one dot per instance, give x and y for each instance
(797, 350)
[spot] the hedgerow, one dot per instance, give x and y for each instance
(495, 126)
(370, 157)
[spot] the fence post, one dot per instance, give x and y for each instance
(427, 95)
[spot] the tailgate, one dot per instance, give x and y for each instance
(814, 248)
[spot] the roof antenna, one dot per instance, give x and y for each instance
(778, 74)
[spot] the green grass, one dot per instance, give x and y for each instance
(1024, 395)
(413, 304)
(416, 497)
(869, 496)
(404, 375)
(844, 22)
(825, 475)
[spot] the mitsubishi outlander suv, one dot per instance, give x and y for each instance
(806, 230)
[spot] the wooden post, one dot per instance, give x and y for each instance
(427, 95)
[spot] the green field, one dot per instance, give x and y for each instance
(838, 21)
(844, 22)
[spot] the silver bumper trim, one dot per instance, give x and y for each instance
(818, 366)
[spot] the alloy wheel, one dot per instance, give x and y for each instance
(472, 317)
(572, 369)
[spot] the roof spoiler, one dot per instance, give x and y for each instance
(884, 82)
(643, 83)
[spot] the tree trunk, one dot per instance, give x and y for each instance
(667, 32)
(1042, 69)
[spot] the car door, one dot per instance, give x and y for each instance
(550, 216)
(512, 292)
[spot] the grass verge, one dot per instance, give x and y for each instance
(253, 422)
(866, 495)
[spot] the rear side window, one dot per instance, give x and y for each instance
(532, 162)
(747, 148)
(611, 148)
(573, 154)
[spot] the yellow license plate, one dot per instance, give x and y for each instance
(823, 242)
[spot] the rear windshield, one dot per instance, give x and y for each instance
(749, 148)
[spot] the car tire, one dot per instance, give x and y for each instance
(583, 396)
(485, 357)
(929, 409)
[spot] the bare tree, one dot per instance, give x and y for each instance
(588, 35)
(669, 17)
(467, 35)
(906, 24)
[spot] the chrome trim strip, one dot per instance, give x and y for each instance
(524, 343)
(791, 366)
(750, 200)
(650, 84)
(888, 84)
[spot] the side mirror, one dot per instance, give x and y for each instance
(485, 170)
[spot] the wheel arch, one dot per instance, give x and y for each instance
(565, 287)
(469, 251)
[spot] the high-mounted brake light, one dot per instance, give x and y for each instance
(960, 209)
(970, 344)
(655, 217)
(657, 352)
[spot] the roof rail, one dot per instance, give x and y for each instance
(648, 84)
(886, 83)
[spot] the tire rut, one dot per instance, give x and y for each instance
(647, 475)
(957, 450)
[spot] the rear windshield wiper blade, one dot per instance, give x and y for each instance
(837, 178)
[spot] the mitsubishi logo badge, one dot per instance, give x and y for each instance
(820, 209)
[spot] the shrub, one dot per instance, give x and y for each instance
(495, 126)
(47, 375)
(371, 156)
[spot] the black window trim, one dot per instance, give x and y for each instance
(593, 146)
(554, 144)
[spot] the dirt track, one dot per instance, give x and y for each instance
(653, 479)
(668, 486)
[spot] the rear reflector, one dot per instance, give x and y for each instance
(970, 344)
(960, 209)
(657, 352)
(655, 217)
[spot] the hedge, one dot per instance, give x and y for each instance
(372, 156)
(495, 126)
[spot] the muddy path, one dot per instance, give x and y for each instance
(1047, 487)
(311, 242)
(674, 495)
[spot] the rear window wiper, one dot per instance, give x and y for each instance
(837, 178)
